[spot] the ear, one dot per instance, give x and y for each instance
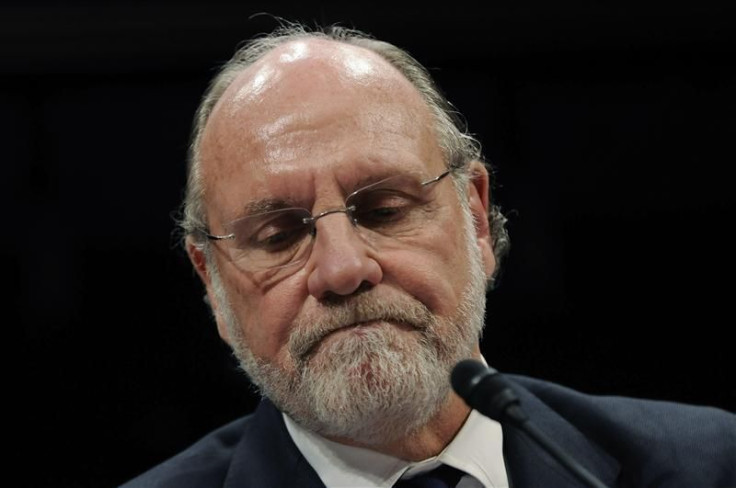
(479, 201)
(199, 261)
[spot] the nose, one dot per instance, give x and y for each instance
(341, 261)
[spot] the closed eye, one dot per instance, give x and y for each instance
(271, 232)
(381, 215)
(383, 207)
(275, 240)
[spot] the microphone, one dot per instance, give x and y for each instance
(485, 390)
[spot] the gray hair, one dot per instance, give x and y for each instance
(460, 148)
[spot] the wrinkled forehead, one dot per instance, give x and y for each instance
(295, 78)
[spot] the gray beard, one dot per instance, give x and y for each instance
(375, 386)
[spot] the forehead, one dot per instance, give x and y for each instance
(313, 111)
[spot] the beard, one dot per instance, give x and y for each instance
(382, 379)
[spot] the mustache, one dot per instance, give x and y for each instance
(313, 327)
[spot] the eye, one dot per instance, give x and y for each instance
(383, 207)
(272, 232)
(274, 240)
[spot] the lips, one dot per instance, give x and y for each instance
(358, 328)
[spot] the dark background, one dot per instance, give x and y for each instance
(611, 128)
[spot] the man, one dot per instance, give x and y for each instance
(341, 222)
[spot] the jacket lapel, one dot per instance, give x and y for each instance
(268, 457)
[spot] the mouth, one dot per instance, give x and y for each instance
(361, 327)
(358, 329)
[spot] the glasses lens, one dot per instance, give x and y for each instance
(391, 206)
(270, 239)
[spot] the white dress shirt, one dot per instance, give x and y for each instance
(475, 450)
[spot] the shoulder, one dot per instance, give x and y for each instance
(649, 436)
(650, 418)
(203, 464)
(256, 450)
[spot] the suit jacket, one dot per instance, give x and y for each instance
(625, 442)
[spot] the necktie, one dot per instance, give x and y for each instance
(442, 477)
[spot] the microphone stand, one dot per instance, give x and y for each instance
(516, 417)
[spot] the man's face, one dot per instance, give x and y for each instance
(358, 322)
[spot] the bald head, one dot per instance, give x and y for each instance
(309, 66)
(303, 86)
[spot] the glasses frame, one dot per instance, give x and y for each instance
(347, 210)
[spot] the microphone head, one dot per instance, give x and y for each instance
(466, 375)
(485, 390)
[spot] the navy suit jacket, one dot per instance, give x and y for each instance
(625, 442)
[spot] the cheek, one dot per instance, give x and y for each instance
(435, 273)
(265, 316)
(436, 267)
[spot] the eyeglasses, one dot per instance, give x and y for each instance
(393, 207)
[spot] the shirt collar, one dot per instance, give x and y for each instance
(477, 449)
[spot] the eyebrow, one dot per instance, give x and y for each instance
(269, 204)
(370, 179)
(265, 205)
